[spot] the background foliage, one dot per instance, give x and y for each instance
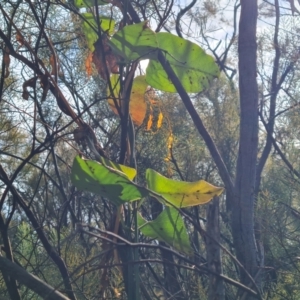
(57, 58)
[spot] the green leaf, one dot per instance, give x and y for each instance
(88, 3)
(194, 68)
(168, 227)
(181, 193)
(129, 172)
(134, 42)
(113, 183)
(90, 28)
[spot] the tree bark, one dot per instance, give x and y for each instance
(216, 286)
(243, 208)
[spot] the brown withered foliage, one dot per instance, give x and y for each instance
(28, 83)
(103, 53)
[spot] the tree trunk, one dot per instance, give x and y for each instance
(216, 286)
(243, 207)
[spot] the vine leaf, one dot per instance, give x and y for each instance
(109, 180)
(88, 3)
(137, 104)
(134, 42)
(90, 28)
(193, 67)
(168, 227)
(181, 193)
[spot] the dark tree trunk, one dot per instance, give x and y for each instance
(216, 286)
(243, 200)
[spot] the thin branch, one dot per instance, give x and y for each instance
(274, 92)
(181, 14)
(125, 242)
(224, 173)
(41, 234)
(38, 286)
(285, 160)
(9, 280)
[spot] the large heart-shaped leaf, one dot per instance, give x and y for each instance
(193, 67)
(111, 181)
(181, 193)
(134, 42)
(169, 228)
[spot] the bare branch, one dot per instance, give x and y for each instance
(38, 286)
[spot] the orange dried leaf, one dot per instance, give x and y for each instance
(150, 120)
(88, 64)
(137, 105)
(28, 83)
(52, 64)
(169, 145)
(20, 38)
(104, 52)
(149, 123)
(170, 141)
(160, 119)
